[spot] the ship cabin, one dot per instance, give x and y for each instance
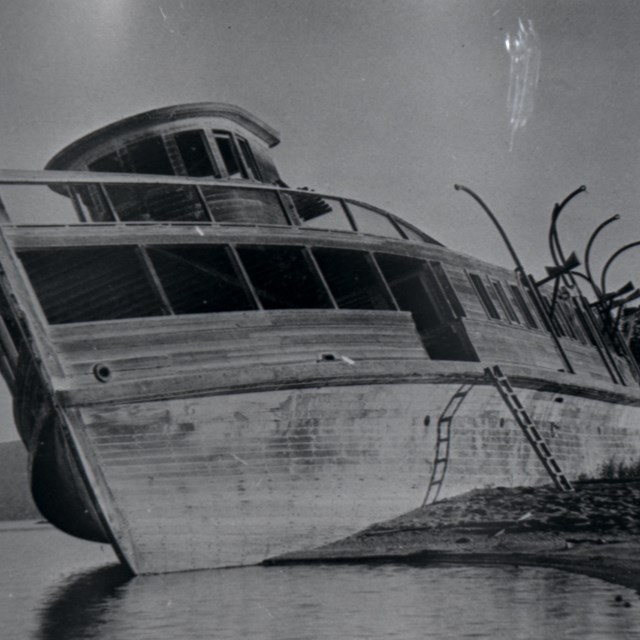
(191, 255)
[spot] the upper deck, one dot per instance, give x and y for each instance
(188, 253)
(108, 198)
(200, 163)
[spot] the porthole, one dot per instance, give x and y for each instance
(102, 372)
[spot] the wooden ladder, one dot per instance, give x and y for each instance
(443, 444)
(528, 427)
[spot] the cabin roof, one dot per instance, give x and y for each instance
(64, 158)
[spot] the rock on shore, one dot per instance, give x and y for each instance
(593, 530)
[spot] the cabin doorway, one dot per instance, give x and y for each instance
(425, 291)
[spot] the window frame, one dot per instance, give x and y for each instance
(486, 302)
(509, 311)
(207, 147)
(235, 152)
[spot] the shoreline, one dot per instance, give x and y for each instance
(594, 530)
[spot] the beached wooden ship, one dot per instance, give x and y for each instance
(210, 368)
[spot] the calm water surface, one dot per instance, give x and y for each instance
(55, 587)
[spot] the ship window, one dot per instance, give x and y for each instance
(505, 302)
(85, 284)
(538, 305)
(483, 295)
(559, 328)
(319, 213)
(283, 278)
(245, 206)
(229, 155)
(249, 159)
(524, 308)
(447, 288)
(195, 154)
(150, 156)
(570, 314)
(200, 279)
(561, 320)
(143, 202)
(413, 234)
(584, 321)
(412, 290)
(372, 222)
(353, 280)
(112, 163)
(567, 311)
(562, 317)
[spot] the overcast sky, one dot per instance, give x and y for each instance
(387, 101)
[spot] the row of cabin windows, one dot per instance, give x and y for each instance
(515, 308)
(86, 284)
(200, 158)
(568, 318)
(235, 205)
(201, 154)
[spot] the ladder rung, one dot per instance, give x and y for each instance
(521, 416)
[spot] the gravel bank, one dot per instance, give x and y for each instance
(594, 530)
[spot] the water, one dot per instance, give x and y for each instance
(55, 587)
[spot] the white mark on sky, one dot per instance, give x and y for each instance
(524, 51)
(164, 15)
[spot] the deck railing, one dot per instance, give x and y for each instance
(120, 198)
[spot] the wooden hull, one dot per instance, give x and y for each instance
(224, 480)
(219, 439)
(214, 372)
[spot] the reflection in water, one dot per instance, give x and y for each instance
(332, 601)
(79, 607)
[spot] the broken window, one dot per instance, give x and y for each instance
(372, 222)
(85, 284)
(284, 278)
(148, 203)
(447, 288)
(319, 213)
(118, 195)
(249, 160)
(353, 279)
(505, 302)
(559, 329)
(149, 156)
(236, 205)
(200, 279)
(414, 234)
(229, 154)
(522, 305)
(195, 154)
(483, 296)
(412, 290)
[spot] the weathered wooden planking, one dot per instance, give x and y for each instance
(502, 343)
(250, 475)
(170, 348)
(231, 480)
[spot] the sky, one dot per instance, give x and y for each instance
(387, 101)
